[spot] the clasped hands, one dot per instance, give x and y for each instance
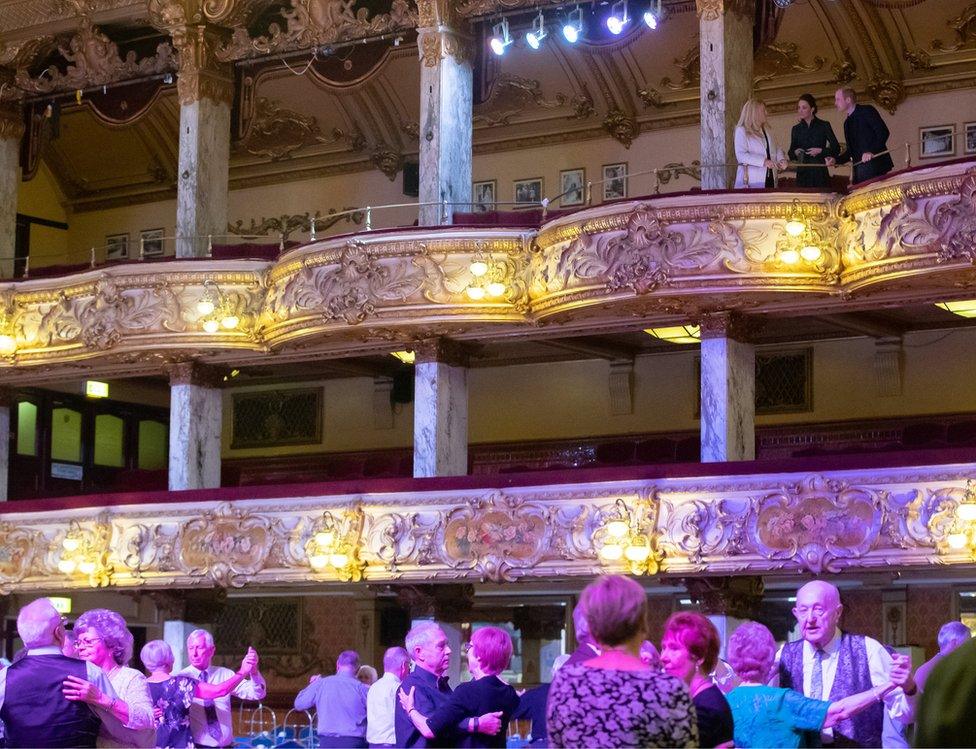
(489, 723)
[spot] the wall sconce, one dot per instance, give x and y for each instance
(216, 310)
(8, 331)
(628, 535)
(800, 244)
(963, 534)
(334, 545)
(487, 278)
(85, 552)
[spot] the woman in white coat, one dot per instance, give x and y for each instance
(756, 151)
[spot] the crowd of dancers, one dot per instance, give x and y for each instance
(829, 688)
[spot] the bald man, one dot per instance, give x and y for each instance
(828, 664)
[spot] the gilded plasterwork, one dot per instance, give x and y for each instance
(277, 133)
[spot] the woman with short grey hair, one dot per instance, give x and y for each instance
(173, 695)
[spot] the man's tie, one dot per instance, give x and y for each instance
(816, 678)
(210, 710)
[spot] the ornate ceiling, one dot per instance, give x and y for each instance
(354, 108)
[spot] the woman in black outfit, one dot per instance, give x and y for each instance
(811, 142)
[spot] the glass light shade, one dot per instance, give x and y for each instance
(498, 46)
(966, 512)
(86, 567)
(617, 528)
(571, 32)
(789, 257)
(230, 322)
(211, 326)
(615, 24)
(650, 20)
(206, 306)
(8, 344)
(476, 293)
(478, 268)
(70, 543)
(795, 227)
(637, 553)
(339, 560)
(407, 357)
(318, 561)
(963, 309)
(67, 566)
(677, 333)
(957, 540)
(612, 552)
(324, 539)
(810, 253)
(496, 288)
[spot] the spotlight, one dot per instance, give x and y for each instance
(573, 28)
(652, 16)
(534, 38)
(501, 37)
(618, 18)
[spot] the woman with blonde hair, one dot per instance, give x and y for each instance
(755, 149)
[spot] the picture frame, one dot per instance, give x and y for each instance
(527, 192)
(276, 418)
(615, 181)
(572, 187)
(969, 135)
(483, 195)
(151, 242)
(936, 141)
(117, 246)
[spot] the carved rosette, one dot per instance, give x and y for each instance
(18, 547)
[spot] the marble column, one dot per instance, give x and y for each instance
(726, 82)
(206, 92)
(440, 410)
(728, 391)
(11, 130)
(194, 427)
(6, 402)
(446, 91)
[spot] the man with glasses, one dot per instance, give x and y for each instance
(828, 664)
(33, 703)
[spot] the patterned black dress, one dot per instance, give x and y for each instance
(599, 707)
(173, 697)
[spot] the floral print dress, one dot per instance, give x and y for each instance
(173, 698)
(601, 707)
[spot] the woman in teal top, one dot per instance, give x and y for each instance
(773, 716)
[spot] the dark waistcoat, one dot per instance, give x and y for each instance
(853, 676)
(36, 713)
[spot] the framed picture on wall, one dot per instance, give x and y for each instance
(151, 241)
(571, 186)
(274, 418)
(970, 134)
(614, 181)
(528, 192)
(116, 246)
(937, 141)
(483, 195)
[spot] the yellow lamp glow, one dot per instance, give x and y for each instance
(86, 567)
(957, 540)
(496, 288)
(637, 553)
(617, 528)
(963, 309)
(339, 560)
(230, 322)
(407, 357)
(811, 253)
(324, 539)
(8, 344)
(67, 566)
(676, 334)
(206, 306)
(478, 268)
(70, 543)
(789, 257)
(211, 326)
(319, 561)
(966, 512)
(96, 389)
(612, 552)
(795, 227)
(476, 293)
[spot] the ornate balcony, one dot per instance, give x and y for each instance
(699, 521)
(906, 237)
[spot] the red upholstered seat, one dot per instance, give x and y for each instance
(615, 453)
(655, 451)
(248, 251)
(923, 434)
(963, 433)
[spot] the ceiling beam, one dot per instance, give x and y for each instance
(593, 349)
(866, 325)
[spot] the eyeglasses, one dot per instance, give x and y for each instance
(816, 610)
(87, 642)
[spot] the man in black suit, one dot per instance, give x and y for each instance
(866, 135)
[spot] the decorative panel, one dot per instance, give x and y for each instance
(272, 418)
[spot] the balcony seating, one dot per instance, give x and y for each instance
(249, 251)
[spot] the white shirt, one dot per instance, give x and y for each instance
(131, 687)
(380, 703)
(249, 689)
(897, 703)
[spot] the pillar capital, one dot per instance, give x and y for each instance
(437, 13)
(435, 44)
(740, 597)
(441, 351)
(11, 121)
(711, 10)
(192, 372)
(727, 325)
